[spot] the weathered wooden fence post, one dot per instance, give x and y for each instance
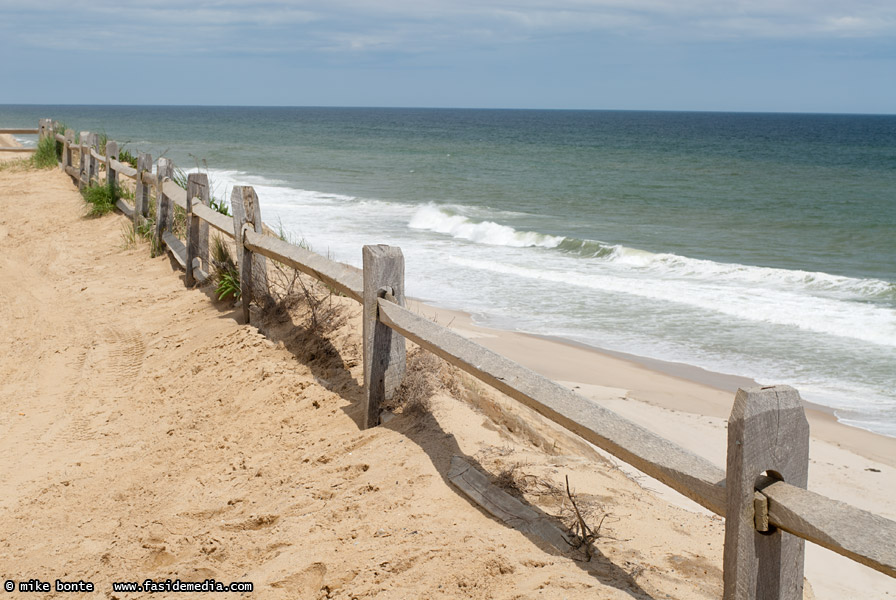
(246, 213)
(44, 128)
(164, 170)
(84, 160)
(197, 188)
(111, 173)
(93, 168)
(202, 249)
(57, 144)
(141, 191)
(384, 349)
(767, 433)
(67, 149)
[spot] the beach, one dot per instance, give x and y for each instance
(690, 407)
(147, 433)
(9, 141)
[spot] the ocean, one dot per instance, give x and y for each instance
(760, 245)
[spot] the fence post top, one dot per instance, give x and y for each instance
(144, 162)
(381, 250)
(774, 398)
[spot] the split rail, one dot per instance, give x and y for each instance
(39, 131)
(762, 494)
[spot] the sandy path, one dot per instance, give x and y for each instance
(144, 433)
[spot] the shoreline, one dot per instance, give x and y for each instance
(662, 384)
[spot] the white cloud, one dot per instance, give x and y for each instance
(420, 25)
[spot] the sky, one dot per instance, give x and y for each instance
(723, 55)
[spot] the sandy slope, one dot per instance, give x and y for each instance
(8, 141)
(145, 433)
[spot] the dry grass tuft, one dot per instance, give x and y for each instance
(426, 376)
(509, 479)
(291, 293)
(579, 518)
(15, 165)
(303, 314)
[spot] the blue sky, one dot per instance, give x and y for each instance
(762, 55)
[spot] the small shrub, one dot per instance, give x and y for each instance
(100, 199)
(225, 273)
(219, 205)
(45, 156)
(126, 156)
(228, 284)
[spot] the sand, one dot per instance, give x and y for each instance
(8, 141)
(145, 432)
(846, 463)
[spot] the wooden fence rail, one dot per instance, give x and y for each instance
(762, 494)
(18, 132)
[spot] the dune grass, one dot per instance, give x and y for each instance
(226, 275)
(100, 198)
(45, 156)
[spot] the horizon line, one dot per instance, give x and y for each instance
(471, 108)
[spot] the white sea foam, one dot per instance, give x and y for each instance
(243, 178)
(26, 142)
(432, 218)
(666, 265)
(847, 319)
(275, 192)
(706, 270)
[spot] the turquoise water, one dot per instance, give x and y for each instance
(761, 245)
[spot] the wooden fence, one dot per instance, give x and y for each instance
(45, 123)
(762, 494)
